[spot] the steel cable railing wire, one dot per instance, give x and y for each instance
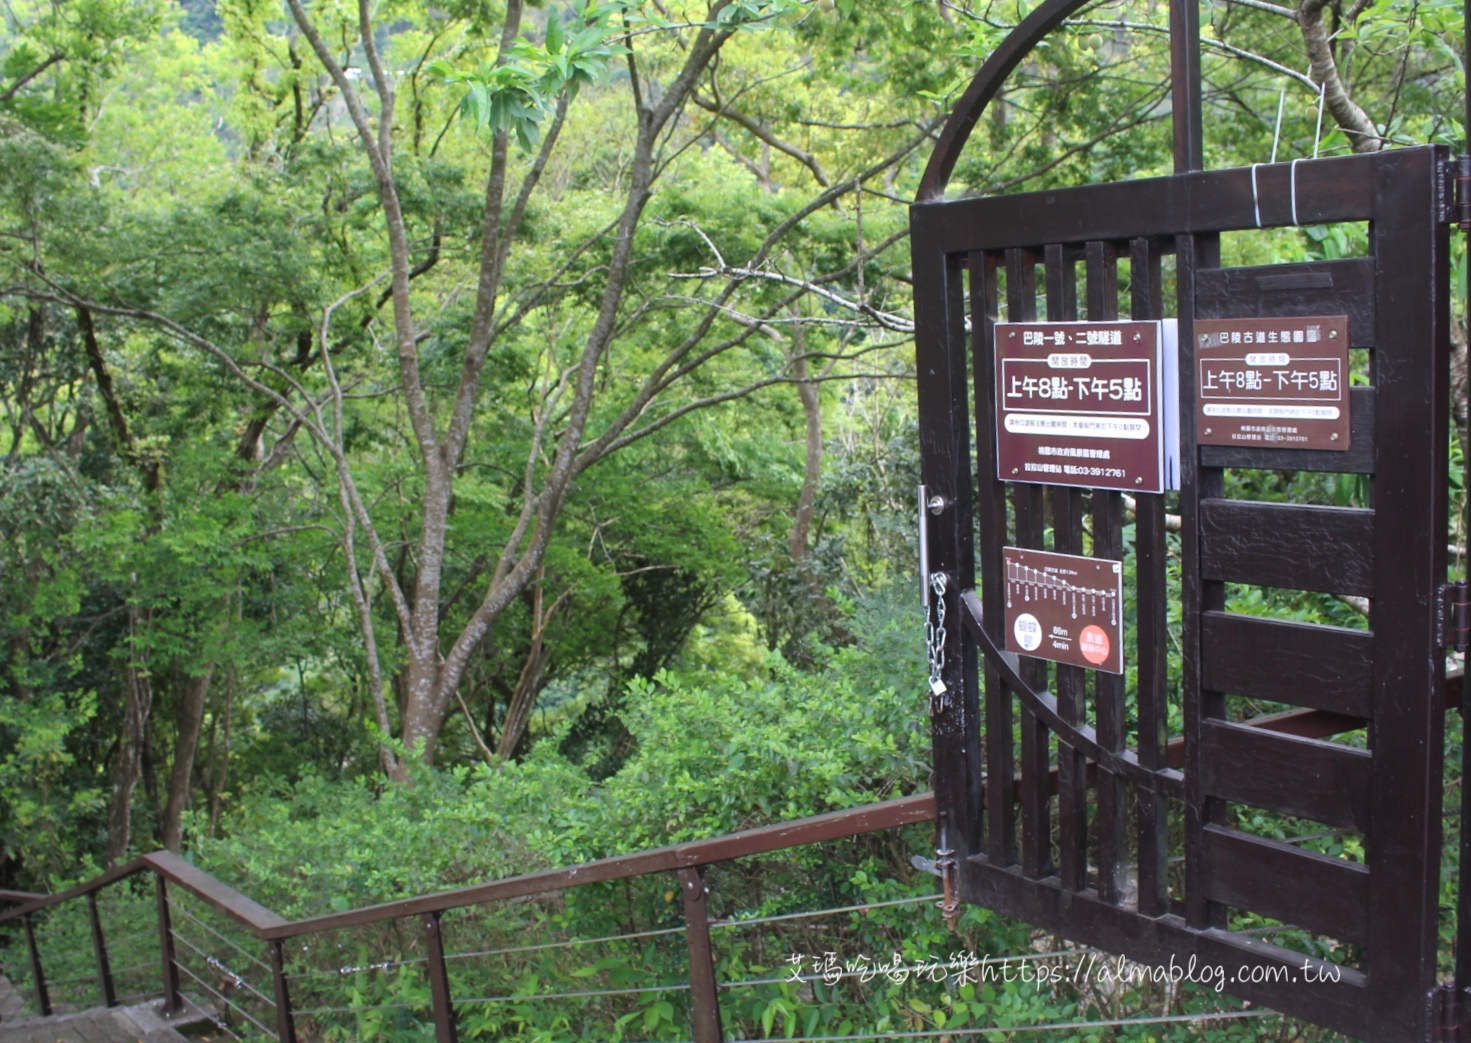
(878, 970)
(569, 944)
(716, 924)
(514, 998)
(134, 969)
(1073, 1026)
(1060, 1026)
(386, 965)
(173, 907)
(216, 964)
(342, 972)
(225, 1000)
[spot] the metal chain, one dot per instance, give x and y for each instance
(934, 639)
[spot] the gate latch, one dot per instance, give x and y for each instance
(1461, 192)
(1455, 616)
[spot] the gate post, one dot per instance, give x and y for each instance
(705, 1001)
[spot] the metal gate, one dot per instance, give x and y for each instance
(1061, 800)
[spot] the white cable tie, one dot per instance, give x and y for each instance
(1256, 201)
(1295, 221)
(1318, 134)
(1277, 131)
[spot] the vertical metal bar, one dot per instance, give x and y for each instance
(99, 949)
(1108, 689)
(1000, 831)
(1185, 85)
(1062, 285)
(924, 547)
(1152, 594)
(944, 391)
(1028, 503)
(1463, 887)
(38, 976)
(172, 999)
(1067, 538)
(285, 1023)
(1072, 765)
(444, 1009)
(1197, 483)
(704, 998)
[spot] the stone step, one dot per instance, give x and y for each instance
(140, 1023)
(12, 1003)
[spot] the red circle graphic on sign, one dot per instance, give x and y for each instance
(1093, 643)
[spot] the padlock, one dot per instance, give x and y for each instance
(937, 687)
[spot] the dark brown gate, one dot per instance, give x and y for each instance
(1062, 796)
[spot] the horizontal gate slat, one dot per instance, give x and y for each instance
(1332, 190)
(1322, 894)
(1274, 291)
(1327, 668)
(1321, 781)
(1358, 458)
(1283, 545)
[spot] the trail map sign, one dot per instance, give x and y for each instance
(1081, 403)
(1065, 608)
(1280, 383)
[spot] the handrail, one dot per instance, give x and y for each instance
(243, 910)
(831, 826)
(269, 926)
(19, 896)
(687, 860)
(97, 883)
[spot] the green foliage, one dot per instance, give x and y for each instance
(520, 90)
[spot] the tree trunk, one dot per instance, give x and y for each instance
(190, 716)
(811, 398)
(221, 768)
(528, 684)
(137, 705)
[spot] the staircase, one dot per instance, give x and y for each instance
(137, 1024)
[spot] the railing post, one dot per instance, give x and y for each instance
(704, 1001)
(172, 1001)
(285, 1024)
(444, 1011)
(38, 978)
(99, 948)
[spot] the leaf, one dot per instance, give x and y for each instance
(554, 33)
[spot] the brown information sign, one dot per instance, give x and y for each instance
(1079, 403)
(1065, 608)
(1273, 383)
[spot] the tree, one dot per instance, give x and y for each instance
(579, 411)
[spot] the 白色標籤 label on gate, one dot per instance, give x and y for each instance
(1065, 608)
(1082, 403)
(1273, 383)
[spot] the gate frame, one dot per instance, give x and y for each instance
(941, 259)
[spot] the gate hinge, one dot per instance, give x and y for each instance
(1451, 1004)
(1455, 616)
(1459, 192)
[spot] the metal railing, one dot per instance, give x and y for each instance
(227, 960)
(686, 861)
